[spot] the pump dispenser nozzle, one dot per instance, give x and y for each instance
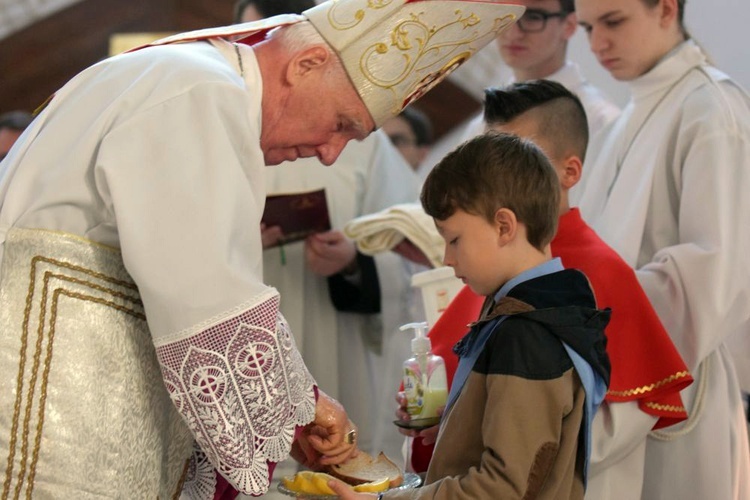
(420, 344)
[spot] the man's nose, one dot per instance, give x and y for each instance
(597, 41)
(330, 151)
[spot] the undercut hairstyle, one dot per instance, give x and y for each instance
(420, 124)
(494, 171)
(270, 8)
(557, 112)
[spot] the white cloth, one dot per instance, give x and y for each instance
(342, 350)
(600, 111)
(157, 153)
(666, 186)
(56, 290)
(380, 232)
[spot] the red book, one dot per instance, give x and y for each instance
(298, 214)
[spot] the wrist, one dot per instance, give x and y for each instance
(351, 268)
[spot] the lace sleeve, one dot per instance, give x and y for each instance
(242, 387)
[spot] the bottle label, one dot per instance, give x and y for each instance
(414, 392)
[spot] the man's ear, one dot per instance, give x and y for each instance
(669, 12)
(506, 225)
(306, 61)
(571, 171)
(570, 24)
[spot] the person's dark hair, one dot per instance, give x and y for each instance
(557, 112)
(270, 8)
(494, 171)
(568, 5)
(420, 124)
(680, 14)
(16, 120)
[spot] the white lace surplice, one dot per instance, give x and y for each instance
(242, 387)
(166, 141)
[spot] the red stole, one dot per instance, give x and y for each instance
(645, 364)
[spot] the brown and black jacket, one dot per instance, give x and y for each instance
(514, 432)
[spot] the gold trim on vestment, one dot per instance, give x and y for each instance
(35, 262)
(668, 408)
(648, 388)
(88, 394)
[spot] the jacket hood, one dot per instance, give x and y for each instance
(564, 304)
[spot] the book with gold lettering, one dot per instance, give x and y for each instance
(298, 214)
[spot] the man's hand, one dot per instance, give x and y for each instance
(330, 434)
(270, 236)
(329, 253)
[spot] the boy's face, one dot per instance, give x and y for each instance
(473, 248)
(538, 54)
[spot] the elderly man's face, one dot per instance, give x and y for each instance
(321, 113)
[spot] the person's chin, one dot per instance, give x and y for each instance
(280, 156)
(477, 290)
(618, 70)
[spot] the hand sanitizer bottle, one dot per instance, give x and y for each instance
(425, 382)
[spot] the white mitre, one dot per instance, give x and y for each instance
(394, 51)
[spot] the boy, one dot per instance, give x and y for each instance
(533, 369)
(647, 371)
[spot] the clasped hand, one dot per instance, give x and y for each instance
(329, 253)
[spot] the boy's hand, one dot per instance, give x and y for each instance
(402, 415)
(428, 435)
(345, 492)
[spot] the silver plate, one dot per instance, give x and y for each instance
(411, 480)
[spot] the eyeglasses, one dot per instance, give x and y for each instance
(402, 141)
(534, 20)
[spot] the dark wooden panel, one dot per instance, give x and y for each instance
(38, 60)
(447, 105)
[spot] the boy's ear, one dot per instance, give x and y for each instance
(306, 61)
(506, 224)
(669, 12)
(571, 171)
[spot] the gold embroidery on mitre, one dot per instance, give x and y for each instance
(666, 408)
(358, 16)
(648, 388)
(39, 349)
(424, 51)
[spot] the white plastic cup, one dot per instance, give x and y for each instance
(438, 287)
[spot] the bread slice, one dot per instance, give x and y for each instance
(365, 469)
